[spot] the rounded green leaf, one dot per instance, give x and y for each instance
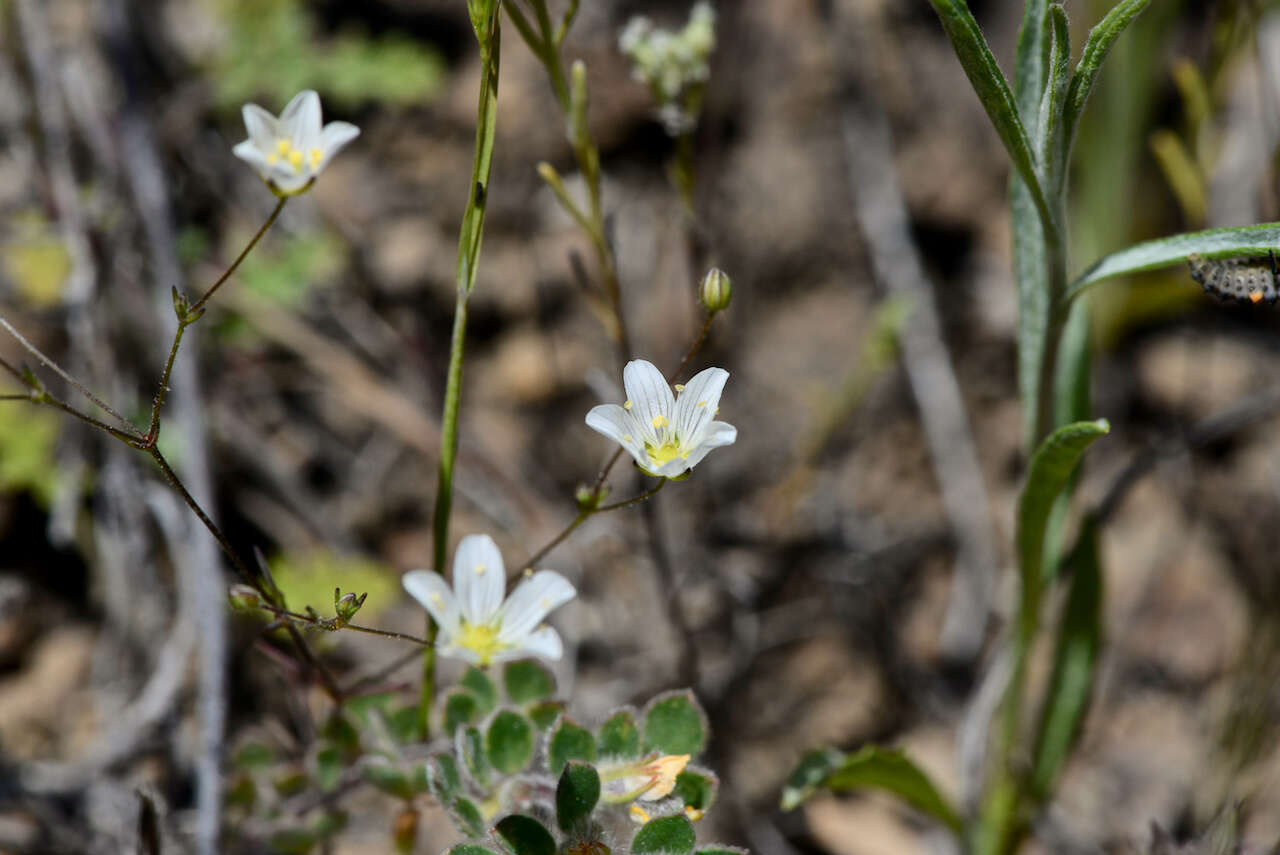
(467, 817)
(443, 778)
(527, 681)
(569, 741)
(509, 742)
(545, 714)
(675, 724)
(460, 709)
(470, 849)
(697, 788)
(386, 777)
(525, 835)
(471, 748)
(576, 795)
(478, 683)
(619, 736)
(670, 835)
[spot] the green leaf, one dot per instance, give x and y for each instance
(460, 709)
(808, 775)
(479, 684)
(254, 755)
(891, 771)
(569, 741)
(576, 795)
(467, 817)
(670, 835)
(989, 83)
(329, 766)
(341, 732)
(545, 714)
(1074, 661)
(443, 778)
(1031, 64)
(403, 724)
(1096, 48)
(471, 849)
(385, 776)
(471, 748)
(721, 849)
(1149, 255)
(1049, 124)
(509, 742)
(527, 681)
(293, 841)
(1051, 467)
(697, 788)
(525, 835)
(619, 736)
(674, 723)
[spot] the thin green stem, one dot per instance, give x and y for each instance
(469, 243)
(244, 253)
(634, 500)
(334, 625)
(582, 517)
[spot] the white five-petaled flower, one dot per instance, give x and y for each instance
(476, 624)
(289, 152)
(666, 435)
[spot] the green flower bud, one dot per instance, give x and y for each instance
(243, 598)
(346, 605)
(715, 291)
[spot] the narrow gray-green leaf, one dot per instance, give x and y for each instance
(1050, 469)
(1031, 273)
(1096, 48)
(1049, 124)
(1031, 62)
(1149, 255)
(875, 768)
(1074, 661)
(993, 91)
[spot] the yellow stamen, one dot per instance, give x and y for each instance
(316, 156)
(679, 387)
(639, 815)
(664, 453)
(479, 569)
(693, 813)
(626, 437)
(295, 160)
(626, 405)
(273, 159)
(284, 146)
(702, 403)
(660, 421)
(481, 639)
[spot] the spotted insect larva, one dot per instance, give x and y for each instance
(1248, 280)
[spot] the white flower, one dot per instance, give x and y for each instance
(476, 624)
(289, 152)
(666, 436)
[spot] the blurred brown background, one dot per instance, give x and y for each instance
(814, 562)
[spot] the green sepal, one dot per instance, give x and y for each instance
(525, 835)
(509, 742)
(569, 741)
(674, 723)
(479, 684)
(670, 835)
(526, 681)
(619, 736)
(577, 793)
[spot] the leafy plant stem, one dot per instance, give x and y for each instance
(469, 242)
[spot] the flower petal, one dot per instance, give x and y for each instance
(249, 152)
(261, 125)
(620, 426)
(435, 595)
(479, 578)
(698, 402)
(650, 397)
(531, 601)
(336, 135)
(715, 435)
(544, 642)
(300, 120)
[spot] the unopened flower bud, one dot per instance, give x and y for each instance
(346, 605)
(715, 291)
(589, 499)
(243, 598)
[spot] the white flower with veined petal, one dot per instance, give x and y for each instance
(289, 152)
(666, 435)
(476, 624)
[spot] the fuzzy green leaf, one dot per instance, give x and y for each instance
(697, 788)
(1074, 661)
(619, 736)
(545, 714)
(467, 817)
(527, 681)
(675, 724)
(721, 849)
(569, 741)
(1163, 252)
(471, 748)
(993, 91)
(670, 835)
(471, 849)
(443, 778)
(388, 778)
(576, 795)
(478, 683)
(460, 709)
(509, 742)
(525, 835)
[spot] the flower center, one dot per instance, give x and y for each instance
(666, 452)
(482, 639)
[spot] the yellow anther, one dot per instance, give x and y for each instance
(679, 387)
(528, 572)
(480, 568)
(295, 159)
(639, 815)
(693, 813)
(660, 421)
(284, 146)
(437, 601)
(273, 159)
(702, 403)
(626, 405)
(626, 437)
(316, 156)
